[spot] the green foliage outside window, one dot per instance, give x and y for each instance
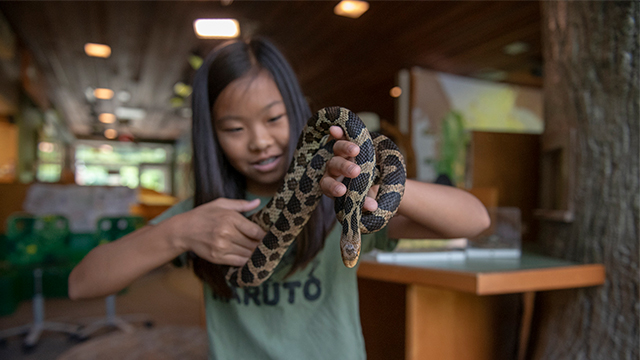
(120, 155)
(153, 179)
(123, 164)
(49, 172)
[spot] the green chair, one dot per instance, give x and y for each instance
(36, 244)
(111, 229)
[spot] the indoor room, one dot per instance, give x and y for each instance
(229, 179)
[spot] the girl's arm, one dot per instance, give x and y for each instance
(111, 267)
(426, 210)
(437, 211)
(216, 231)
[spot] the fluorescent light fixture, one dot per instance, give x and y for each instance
(97, 50)
(351, 8)
(491, 74)
(216, 28)
(107, 118)
(395, 91)
(103, 94)
(123, 96)
(110, 134)
(130, 113)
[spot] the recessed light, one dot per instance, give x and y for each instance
(97, 50)
(45, 146)
(110, 134)
(395, 91)
(216, 28)
(351, 8)
(107, 118)
(103, 94)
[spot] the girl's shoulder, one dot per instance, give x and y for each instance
(179, 208)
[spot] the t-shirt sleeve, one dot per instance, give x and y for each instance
(378, 240)
(179, 208)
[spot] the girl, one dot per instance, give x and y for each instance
(248, 111)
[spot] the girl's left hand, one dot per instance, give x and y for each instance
(341, 166)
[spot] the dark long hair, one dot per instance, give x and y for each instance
(214, 175)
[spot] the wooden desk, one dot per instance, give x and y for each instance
(473, 309)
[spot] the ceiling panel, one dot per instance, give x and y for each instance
(339, 61)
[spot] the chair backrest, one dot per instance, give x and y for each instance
(114, 227)
(36, 239)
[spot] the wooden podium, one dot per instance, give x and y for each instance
(473, 309)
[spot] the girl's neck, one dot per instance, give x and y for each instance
(262, 189)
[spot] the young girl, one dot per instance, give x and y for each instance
(248, 111)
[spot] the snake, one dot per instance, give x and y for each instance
(285, 215)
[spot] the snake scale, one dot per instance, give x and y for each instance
(288, 211)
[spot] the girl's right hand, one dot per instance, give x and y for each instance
(219, 233)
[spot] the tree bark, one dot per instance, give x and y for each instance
(591, 52)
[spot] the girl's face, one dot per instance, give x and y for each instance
(252, 127)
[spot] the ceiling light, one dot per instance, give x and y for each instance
(110, 134)
(130, 113)
(351, 8)
(107, 118)
(395, 91)
(182, 89)
(195, 61)
(216, 28)
(88, 94)
(176, 102)
(491, 74)
(516, 48)
(123, 96)
(46, 147)
(103, 94)
(97, 50)
(105, 148)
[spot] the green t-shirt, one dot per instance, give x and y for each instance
(312, 314)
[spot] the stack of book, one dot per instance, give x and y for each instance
(409, 250)
(502, 240)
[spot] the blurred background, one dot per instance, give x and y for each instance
(95, 128)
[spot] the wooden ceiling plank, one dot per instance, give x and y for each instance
(351, 61)
(514, 20)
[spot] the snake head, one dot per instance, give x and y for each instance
(350, 248)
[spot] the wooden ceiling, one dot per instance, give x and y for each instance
(339, 61)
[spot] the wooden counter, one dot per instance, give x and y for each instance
(472, 309)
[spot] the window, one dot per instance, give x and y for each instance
(124, 164)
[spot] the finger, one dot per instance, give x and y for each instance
(234, 260)
(250, 229)
(345, 149)
(246, 242)
(336, 132)
(235, 204)
(373, 191)
(370, 204)
(332, 187)
(339, 166)
(241, 251)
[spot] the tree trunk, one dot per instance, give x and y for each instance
(591, 52)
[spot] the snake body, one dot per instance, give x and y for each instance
(289, 210)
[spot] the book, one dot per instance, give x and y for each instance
(412, 250)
